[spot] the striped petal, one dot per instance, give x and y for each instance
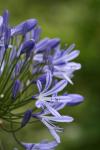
(70, 48)
(55, 135)
(39, 85)
(68, 57)
(52, 110)
(57, 88)
(24, 27)
(61, 119)
(42, 45)
(76, 99)
(48, 81)
(52, 130)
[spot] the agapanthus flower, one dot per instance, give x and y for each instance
(50, 103)
(60, 62)
(36, 71)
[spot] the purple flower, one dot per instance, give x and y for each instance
(48, 95)
(44, 94)
(59, 63)
(50, 103)
(5, 19)
(63, 68)
(35, 71)
(16, 88)
(36, 33)
(24, 27)
(27, 47)
(26, 117)
(48, 121)
(5, 31)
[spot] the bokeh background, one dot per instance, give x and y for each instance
(74, 21)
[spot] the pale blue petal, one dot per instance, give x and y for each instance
(73, 66)
(59, 99)
(67, 78)
(55, 135)
(76, 99)
(39, 85)
(72, 55)
(57, 88)
(67, 57)
(42, 45)
(52, 130)
(70, 48)
(38, 57)
(52, 110)
(48, 81)
(61, 119)
(1, 21)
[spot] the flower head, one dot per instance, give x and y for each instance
(34, 71)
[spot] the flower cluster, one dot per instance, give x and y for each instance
(34, 71)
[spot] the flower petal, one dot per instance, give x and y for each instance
(61, 119)
(70, 48)
(76, 99)
(42, 45)
(48, 81)
(26, 117)
(54, 42)
(55, 135)
(52, 130)
(24, 27)
(39, 85)
(57, 88)
(52, 110)
(16, 88)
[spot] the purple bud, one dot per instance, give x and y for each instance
(42, 45)
(36, 33)
(27, 47)
(16, 88)
(54, 42)
(1, 24)
(18, 67)
(26, 117)
(24, 27)
(5, 19)
(7, 37)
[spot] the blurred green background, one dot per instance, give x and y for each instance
(74, 21)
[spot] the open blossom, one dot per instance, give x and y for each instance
(51, 103)
(60, 62)
(34, 71)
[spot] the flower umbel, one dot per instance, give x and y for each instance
(34, 71)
